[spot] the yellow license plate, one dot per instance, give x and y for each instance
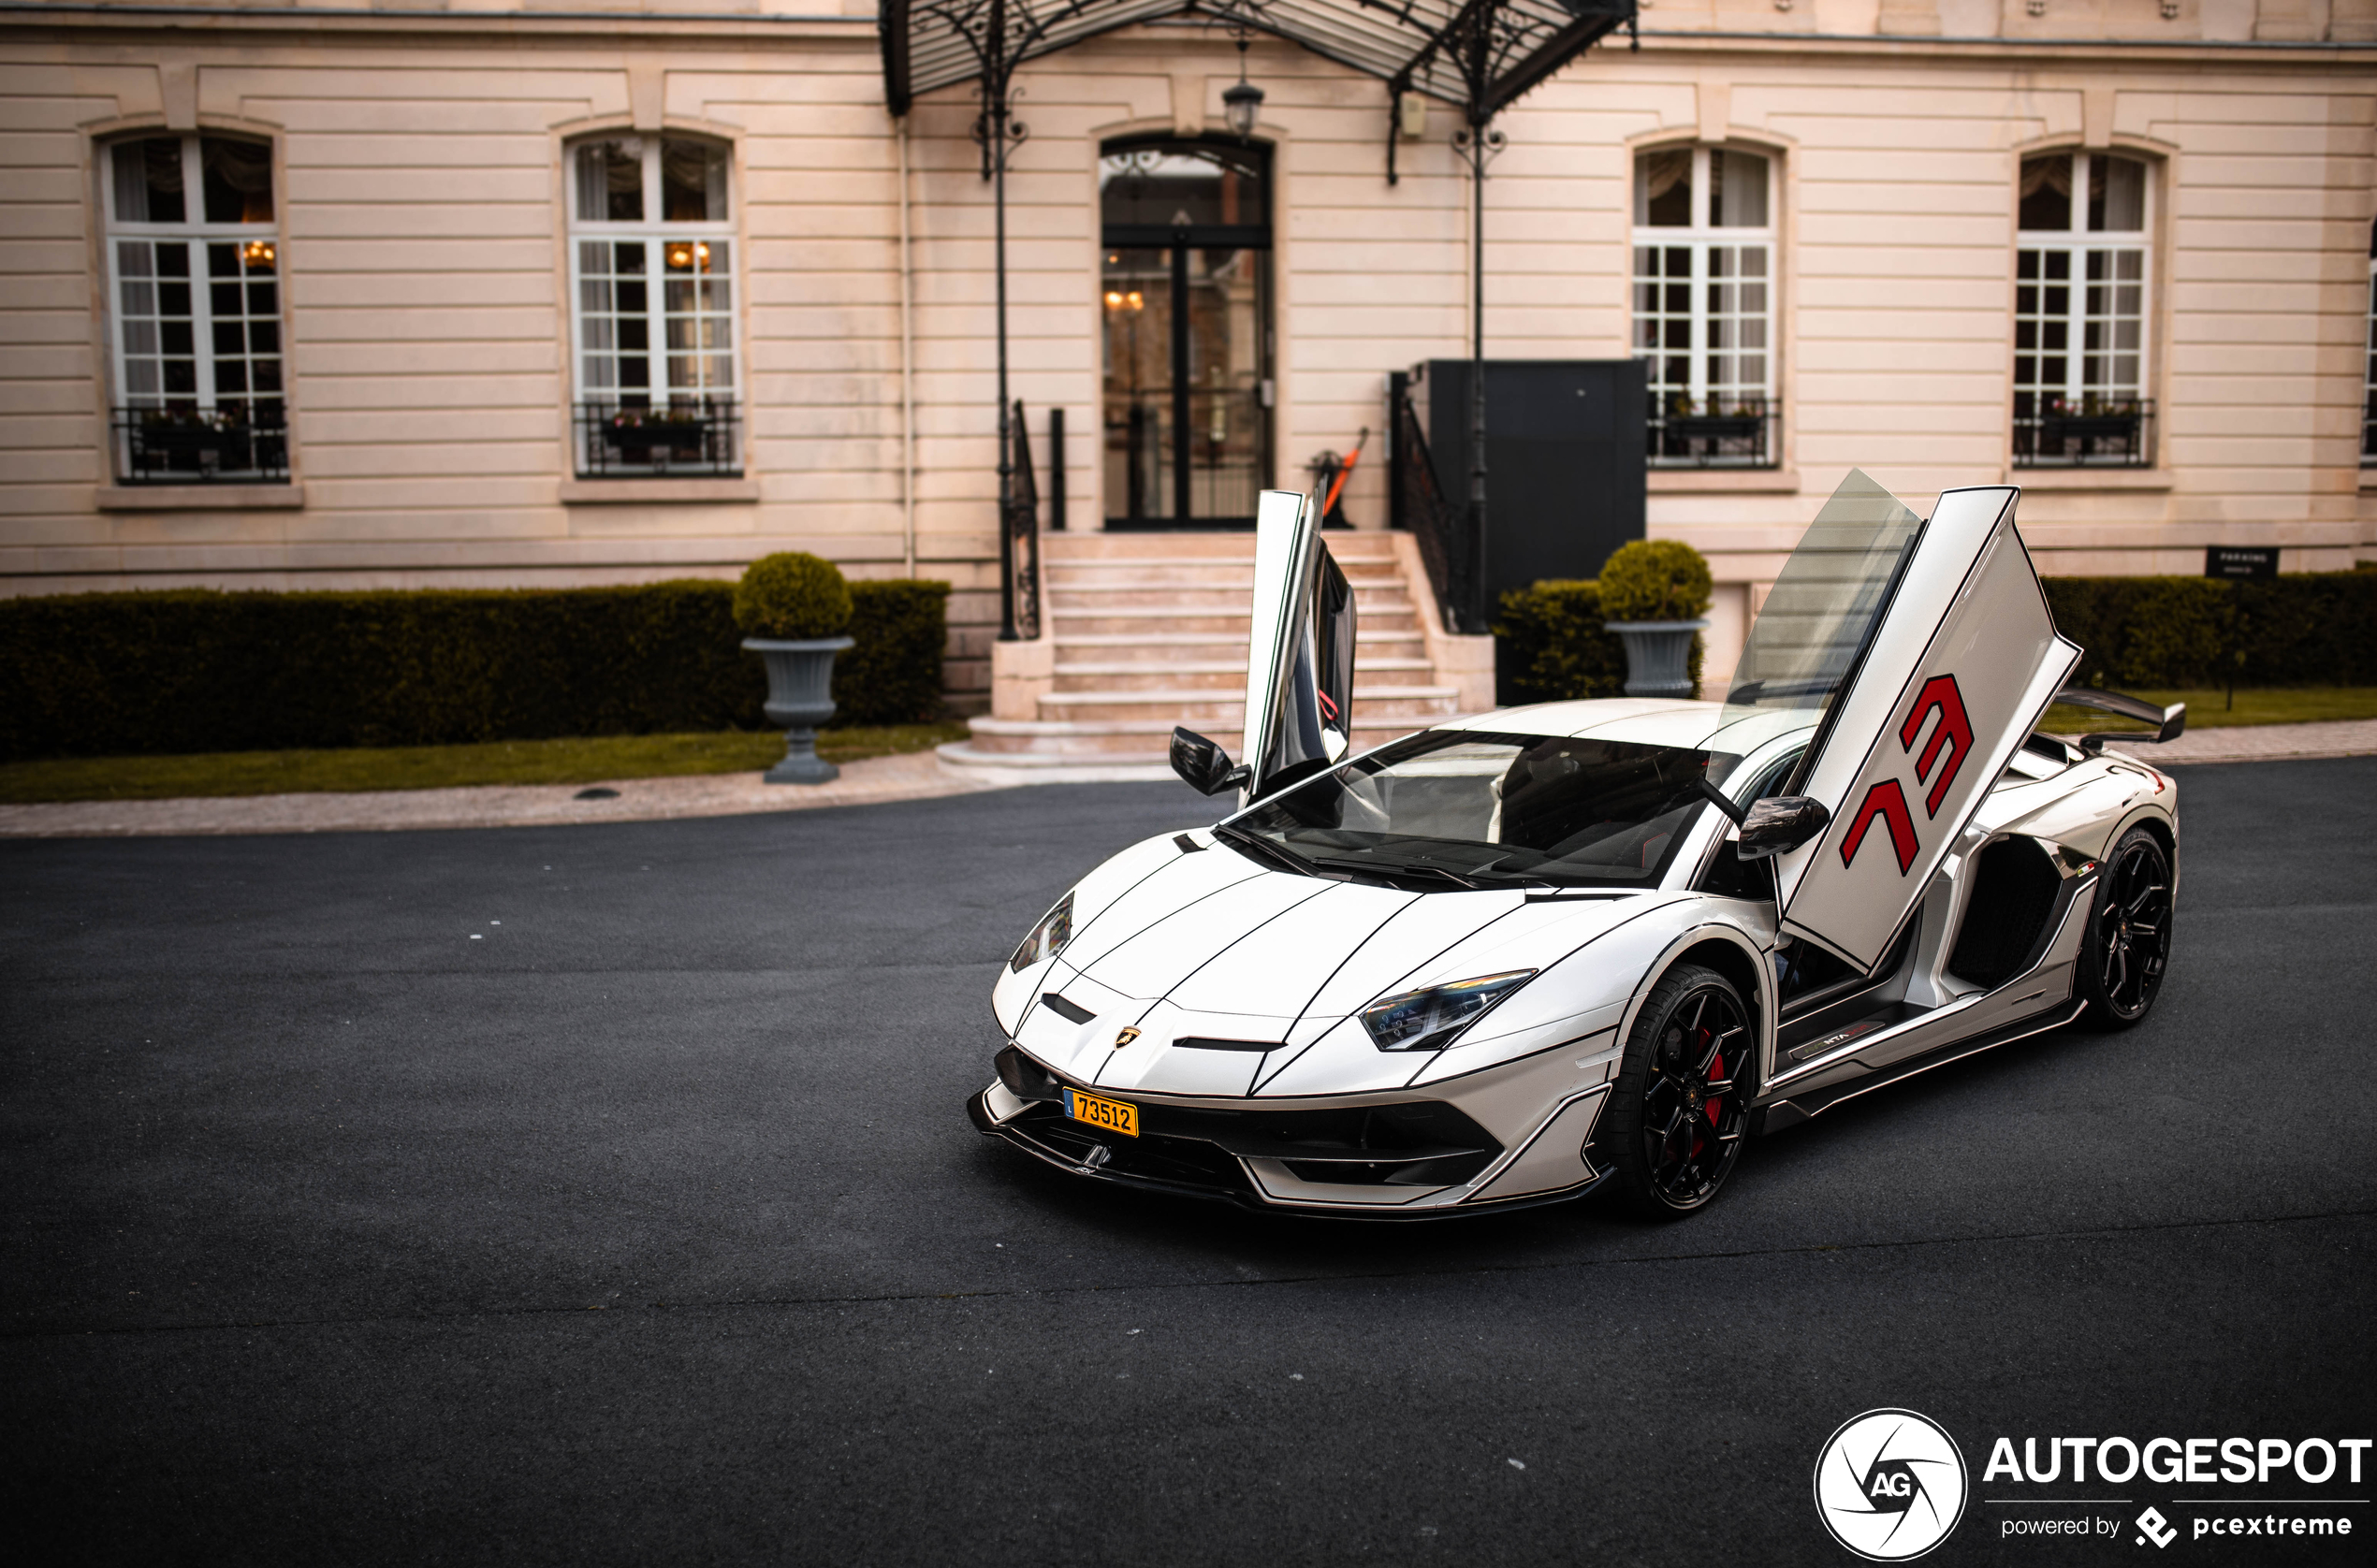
(1113, 1115)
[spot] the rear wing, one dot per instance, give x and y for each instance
(2169, 723)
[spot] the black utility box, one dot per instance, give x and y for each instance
(1566, 443)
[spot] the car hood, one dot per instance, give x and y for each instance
(1262, 971)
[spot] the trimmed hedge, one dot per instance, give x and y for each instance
(2304, 628)
(1550, 646)
(196, 670)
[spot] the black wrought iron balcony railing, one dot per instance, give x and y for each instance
(678, 438)
(235, 443)
(2093, 432)
(1715, 433)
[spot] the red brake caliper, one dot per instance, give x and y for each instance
(1715, 1106)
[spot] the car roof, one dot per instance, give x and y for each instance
(1649, 722)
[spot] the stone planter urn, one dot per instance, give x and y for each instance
(1659, 655)
(800, 697)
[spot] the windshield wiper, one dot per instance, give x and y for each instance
(1262, 849)
(1404, 868)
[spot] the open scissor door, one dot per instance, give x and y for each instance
(1930, 652)
(1300, 653)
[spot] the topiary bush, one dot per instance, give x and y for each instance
(1655, 579)
(791, 594)
(93, 674)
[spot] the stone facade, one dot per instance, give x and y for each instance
(421, 187)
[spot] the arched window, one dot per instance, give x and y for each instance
(1704, 305)
(2081, 282)
(652, 302)
(194, 297)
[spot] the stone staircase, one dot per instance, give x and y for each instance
(1146, 631)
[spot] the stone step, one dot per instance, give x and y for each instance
(1070, 546)
(1168, 651)
(1191, 706)
(1215, 675)
(1143, 738)
(1195, 597)
(1196, 573)
(1170, 644)
(1072, 624)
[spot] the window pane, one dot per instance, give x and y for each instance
(2046, 192)
(239, 180)
(692, 181)
(610, 181)
(147, 181)
(1663, 188)
(1737, 189)
(2116, 195)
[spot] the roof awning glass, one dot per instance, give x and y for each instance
(1480, 54)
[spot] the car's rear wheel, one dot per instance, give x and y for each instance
(2129, 932)
(1681, 1108)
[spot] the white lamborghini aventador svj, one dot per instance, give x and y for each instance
(1513, 957)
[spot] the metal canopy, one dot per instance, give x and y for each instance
(1477, 54)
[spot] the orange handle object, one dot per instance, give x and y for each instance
(1338, 488)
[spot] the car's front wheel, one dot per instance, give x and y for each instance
(1681, 1108)
(2129, 932)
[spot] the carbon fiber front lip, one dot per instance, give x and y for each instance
(978, 1110)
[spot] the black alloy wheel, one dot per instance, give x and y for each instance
(1681, 1110)
(2129, 932)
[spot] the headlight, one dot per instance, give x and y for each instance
(1047, 939)
(1428, 1019)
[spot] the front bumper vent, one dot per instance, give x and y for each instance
(1421, 1143)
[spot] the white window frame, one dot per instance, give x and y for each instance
(196, 232)
(2076, 242)
(1707, 245)
(656, 235)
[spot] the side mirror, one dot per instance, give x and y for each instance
(1203, 766)
(1779, 824)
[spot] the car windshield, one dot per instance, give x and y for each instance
(1826, 601)
(1478, 808)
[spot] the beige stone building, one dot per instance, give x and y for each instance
(478, 292)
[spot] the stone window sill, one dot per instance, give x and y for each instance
(2090, 478)
(1747, 481)
(649, 492)
(199, 498)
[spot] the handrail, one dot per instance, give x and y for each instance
(1417, 505)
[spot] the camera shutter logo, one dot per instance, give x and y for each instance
(1891, 1484)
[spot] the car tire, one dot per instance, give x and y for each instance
(1672, 1143)
(2127, 950)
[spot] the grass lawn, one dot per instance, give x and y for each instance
(2208, 710)
(583, 761)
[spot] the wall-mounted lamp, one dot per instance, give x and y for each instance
(1242, 105)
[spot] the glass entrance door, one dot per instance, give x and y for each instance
(1186, 295)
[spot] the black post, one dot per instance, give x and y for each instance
(1180, 416)
(995, 114)
(1398, 389)
(1057, 470)
(1477, 540)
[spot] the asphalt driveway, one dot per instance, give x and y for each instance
(604, 1195)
